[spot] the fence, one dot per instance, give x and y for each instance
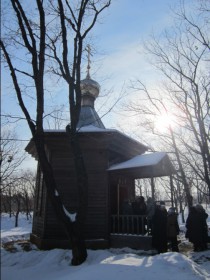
(129, 224)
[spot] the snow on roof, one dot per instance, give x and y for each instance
(54, 130)
(140, 161)
(92, 128)
(86, 128)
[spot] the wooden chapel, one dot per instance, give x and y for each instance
(113, 161)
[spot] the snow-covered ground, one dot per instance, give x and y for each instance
(34, 264)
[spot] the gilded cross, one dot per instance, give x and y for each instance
(88, 49)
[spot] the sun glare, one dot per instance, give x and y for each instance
(163, 122)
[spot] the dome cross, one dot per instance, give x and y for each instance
(88, 49)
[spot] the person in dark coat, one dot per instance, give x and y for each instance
(172, 229)
(127, 208)
(159, 237)
(203, 216)
(197, 230)
(139, 208)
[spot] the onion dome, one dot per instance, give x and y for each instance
(89, 89)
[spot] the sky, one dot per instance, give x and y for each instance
(118, 57)
(106, 264)
(119, 43)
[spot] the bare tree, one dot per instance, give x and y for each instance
(19, 195)
(30, 34)
(12, 156)
(57, 118)
(27, 184)
(23, 194)
(182, 56)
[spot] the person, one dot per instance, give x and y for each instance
(125, 221)
(150, 213)
(172, 229)
(139, 208)
(159, 236)
(127, 208)
(197, 230)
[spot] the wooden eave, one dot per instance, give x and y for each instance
(109, 139)
(162, 168)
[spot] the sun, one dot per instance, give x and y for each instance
(163, 122)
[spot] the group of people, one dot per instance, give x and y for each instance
(163, 225)
(137, 207)
(165, 229)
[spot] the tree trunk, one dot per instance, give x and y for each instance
(82, 186)
(16, 217)
(18, 201)
(10, 203)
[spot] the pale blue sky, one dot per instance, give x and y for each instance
(130, 20)
(118, 40)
